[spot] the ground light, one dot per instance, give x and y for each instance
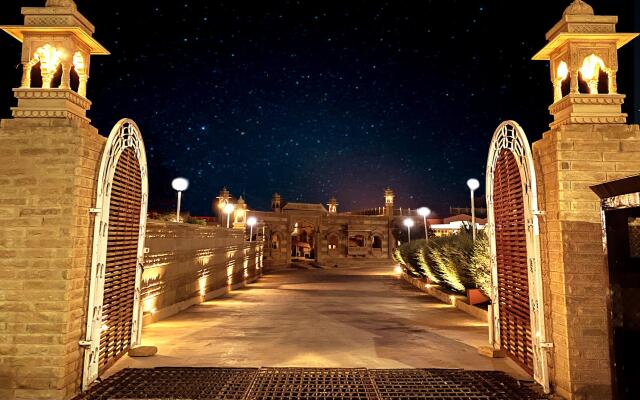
(408, 222)
(179, 185)
(473, 184)
(424, 212)
(398, 269)
(251, 221)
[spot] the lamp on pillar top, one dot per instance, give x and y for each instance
(240, 214)
(333, 206)
(473, 184)
(57, 44)
(179, 185)
(424, 213)
(583, 55)
(251, 221)
(408, 222)
(228, 209)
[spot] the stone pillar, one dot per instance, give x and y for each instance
(569, 159)
(48, 174)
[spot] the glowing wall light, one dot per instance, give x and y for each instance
(49, 58)
(590, 71)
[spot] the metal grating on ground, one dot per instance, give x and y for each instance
(446, 384)
(175, 383)
(310, 384)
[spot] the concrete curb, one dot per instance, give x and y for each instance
(456, 300)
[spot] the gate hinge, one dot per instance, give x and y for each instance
(546, 345)
(539, 212)
(85, 343)
(95, 210)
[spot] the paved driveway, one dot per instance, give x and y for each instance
(362, 317)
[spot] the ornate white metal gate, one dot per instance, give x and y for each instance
(113, 314)
(517, 299)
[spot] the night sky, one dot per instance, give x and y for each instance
(315, 99)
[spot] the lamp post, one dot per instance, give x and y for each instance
(179, 185)
(473, 184)
(424, 212)
(408, 222)
(251, 221)
(228, 209)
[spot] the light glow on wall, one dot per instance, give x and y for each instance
(230, 275)
(202, 285)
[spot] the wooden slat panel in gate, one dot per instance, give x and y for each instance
(122, 251)
(511, 254)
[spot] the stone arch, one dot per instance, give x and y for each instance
(333, 242)
(118, 251)
(516, 271)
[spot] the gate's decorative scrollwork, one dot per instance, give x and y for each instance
(515, 258)
(121, 205)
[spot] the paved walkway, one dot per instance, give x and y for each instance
(337, 318)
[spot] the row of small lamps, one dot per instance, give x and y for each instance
(424, 212)
(182, 184)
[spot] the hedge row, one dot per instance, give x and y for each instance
(454, 262)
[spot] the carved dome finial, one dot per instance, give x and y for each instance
(578, 7)
(60, 3)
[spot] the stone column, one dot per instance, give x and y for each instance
(569, 159)
(48, 174)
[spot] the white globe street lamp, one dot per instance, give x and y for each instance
(473, 184)
(424, 212)
(408, 222)
(179, 185)
(251, 221)
(228, 209)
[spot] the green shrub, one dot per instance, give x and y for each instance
(408, 253)
(454, 262)
(481, 264)
(458, 253)
(427, 264)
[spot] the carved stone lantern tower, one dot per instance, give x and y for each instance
(588, 143)
(276, 202)
(240, 214)
(333, 206)
(583, 55)
(57, 44)
(388, 202)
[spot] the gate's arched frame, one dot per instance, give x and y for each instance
(509, 135)
(125, 134)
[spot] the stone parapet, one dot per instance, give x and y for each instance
(188, 264)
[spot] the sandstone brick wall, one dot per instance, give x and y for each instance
(568, 161)
(187, 264)
(48, 171)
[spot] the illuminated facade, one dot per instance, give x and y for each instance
(303, 231)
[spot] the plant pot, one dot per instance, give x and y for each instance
(475, 296)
